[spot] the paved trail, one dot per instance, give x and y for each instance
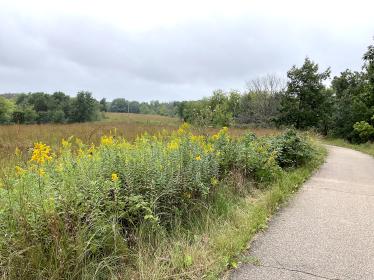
(327, 230)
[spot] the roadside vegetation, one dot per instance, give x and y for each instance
(367, 148)
(166, 206)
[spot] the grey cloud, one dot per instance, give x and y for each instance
(183, 62)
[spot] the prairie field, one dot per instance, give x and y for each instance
(126, 125)
(140, 196)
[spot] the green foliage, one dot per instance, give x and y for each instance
(364, 130)
(6, 108)
(84, 108)
(154, 107)
(292, 150)
(304, 102)
(73, 213)
(259, 108)
(41, 107)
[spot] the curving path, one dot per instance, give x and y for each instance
(327, 230)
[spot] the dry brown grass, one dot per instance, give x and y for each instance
(127, 125)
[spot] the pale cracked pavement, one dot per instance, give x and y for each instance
(327, 230)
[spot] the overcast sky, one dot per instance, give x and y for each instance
(172, 50)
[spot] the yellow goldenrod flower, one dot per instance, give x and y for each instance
(79, 142)
(20, 170)
(173, 145)
(41, 153)
(198, 157)
(65, 143)
(107, 140)
(214, 181)
(183, 128)
(114, 177)
(41, 172)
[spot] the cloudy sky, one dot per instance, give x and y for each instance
(170, 49)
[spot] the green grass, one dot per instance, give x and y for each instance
(367, 148)
(213, 242)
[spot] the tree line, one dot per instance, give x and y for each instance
(343, 109)
(155, 107)
(40, 107)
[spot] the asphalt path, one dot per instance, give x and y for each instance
(327, 229)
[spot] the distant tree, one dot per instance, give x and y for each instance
(120, 105)
(84, 108)
(103, 105)
(234, 103)
(134, 107)
(304, 101)
(144, 108)
(270, 83)
(6, 110)
(259, 105)
(24, 114)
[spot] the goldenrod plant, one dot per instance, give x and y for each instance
(74, 212)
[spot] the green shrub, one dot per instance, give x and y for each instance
(258, 159)
(291, 149)
(364, 130)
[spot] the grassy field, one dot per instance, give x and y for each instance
(126, 125)
(367, 148)
(182, 205)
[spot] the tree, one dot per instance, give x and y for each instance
(369, 74)
(259, 105)
(120, 105)
(304, 101)
(350, 104)
(103, 105)
(270, 83)
(84, 108)
(6, 110)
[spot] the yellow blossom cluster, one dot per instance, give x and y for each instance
(107, 140)
(20, 170)
(65, 143)
(115, 177)
(41, 153)
(183, 129)
(173, 144)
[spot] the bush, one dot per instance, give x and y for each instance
(73, 213)
(364, 130)
(258, 159)
(292, 150)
